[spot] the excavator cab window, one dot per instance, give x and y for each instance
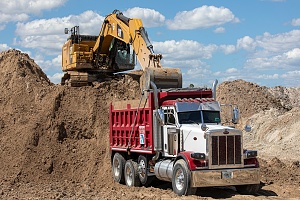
(121, 55)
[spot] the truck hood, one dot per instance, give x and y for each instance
(194, 139)
(211, 128)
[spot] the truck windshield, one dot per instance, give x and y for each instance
(195, 117)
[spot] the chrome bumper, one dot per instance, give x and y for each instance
(225, 177)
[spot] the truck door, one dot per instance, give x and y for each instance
(170, 133)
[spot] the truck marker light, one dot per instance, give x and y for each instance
(195, 138)
(226, 132)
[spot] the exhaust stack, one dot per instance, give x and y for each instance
(214, 89)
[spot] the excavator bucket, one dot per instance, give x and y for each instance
(163, 78)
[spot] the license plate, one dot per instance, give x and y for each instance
(227, 175)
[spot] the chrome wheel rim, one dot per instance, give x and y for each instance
(129, 175)
(142, 166)
(117, 168)
(179, 179)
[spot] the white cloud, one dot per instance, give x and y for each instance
(228, 49)
(56, 78)
(184, 49)
(219, 30)
(231, 70)
(28, 6)
(268, 44)
(20, 10)
(267, 76)
(48, 35)
(296, 22)
(202, 17)
(4, 47)
(279, 42)
(197, 72)
(291, 78)
(4, 18)
(286, 60)
(150, 17)
(229, 78)
(194, 63)
(291, 74)
(293, 54)
(272, 52)
(48, 65)
(189, 56)
(246, 43)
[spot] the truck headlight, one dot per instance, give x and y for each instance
(250, 154)
(198, 156)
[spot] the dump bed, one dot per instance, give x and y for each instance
(131, 128)
(131, 122)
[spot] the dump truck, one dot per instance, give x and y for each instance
(177, 135)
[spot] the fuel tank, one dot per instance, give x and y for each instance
(163, 170)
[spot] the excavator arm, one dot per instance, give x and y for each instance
(132, 32)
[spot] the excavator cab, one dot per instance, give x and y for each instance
(122, 55)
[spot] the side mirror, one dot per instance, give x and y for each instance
(66, 30)
(203, 127)
(248, 128)
(235, 115)
(161, 116)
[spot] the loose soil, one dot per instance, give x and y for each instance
(54, 139)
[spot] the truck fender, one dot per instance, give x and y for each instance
(186, 155)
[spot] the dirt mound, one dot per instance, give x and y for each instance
(51, 132)
(250, 97)
(54, 139)
(289, 171)
(17, 68)
(275, 133)
(273, 114)
(289, 97)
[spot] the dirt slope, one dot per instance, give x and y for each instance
(289, 97)
(250, 97)
(51, 132)
(54, 139)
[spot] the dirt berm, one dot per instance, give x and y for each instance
(54, 139)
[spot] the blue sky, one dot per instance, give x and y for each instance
(257, 40)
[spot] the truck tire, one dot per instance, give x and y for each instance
(247, 189)
(118, 164)
(131, 174)
(181, 179)
(143, 171)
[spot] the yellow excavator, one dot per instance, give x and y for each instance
(88, 58)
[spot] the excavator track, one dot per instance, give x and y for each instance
(79, 79)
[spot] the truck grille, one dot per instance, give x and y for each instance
(226, 150)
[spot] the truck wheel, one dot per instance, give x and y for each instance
(247, 189)
(143, 171)
(118, 164)
(131, 174)
(181, 179)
